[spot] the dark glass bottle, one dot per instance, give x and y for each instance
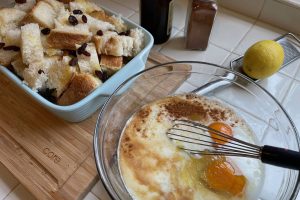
(157, 17)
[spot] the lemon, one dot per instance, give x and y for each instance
(263, 59)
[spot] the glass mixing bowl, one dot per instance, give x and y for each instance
(267, 118)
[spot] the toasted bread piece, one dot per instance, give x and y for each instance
(111, 64)
(19, 66)
(31, 45)
(81, 86)
(56, 5)
(67, 37)
(11, 16)
(96, 25)
(26, 7)
(114, 45)
(117, 21)
(35, 76)
(85, 6)
(13, 37)
(59, 75)
(53, 52)
(138, 40)
(62, 18)
(6, 57)
(42, 13)
(88, 64)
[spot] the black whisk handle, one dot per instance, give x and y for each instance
(280, 157)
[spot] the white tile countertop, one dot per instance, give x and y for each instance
(232, 34)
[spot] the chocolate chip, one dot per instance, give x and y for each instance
(41, 71)
(73, 20)
(81, 49)
(2, 44)
(11, 48)
(20, 1)
(46, 31)
(100, 32)
(102, 75)
(77, 12)
(73, 62)
(84, 18)
(86, 53)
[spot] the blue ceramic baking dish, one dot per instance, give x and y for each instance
(87, 106)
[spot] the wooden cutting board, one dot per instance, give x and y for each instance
(52, 158)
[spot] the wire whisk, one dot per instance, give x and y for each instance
(196, 138)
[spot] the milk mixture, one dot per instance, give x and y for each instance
(153, 167)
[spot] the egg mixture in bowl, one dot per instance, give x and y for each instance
(136, 159)
(153, 167)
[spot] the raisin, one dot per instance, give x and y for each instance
(46, 31)
(41, 71)
(11, 48)
(77, 12)
(84, 18)
(73, 20)
(81, 49)
(20, 1)
(100, 32)
(86, 53)
(73, 62)
(102, 75)
(2, 44)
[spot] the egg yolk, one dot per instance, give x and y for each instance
(221, 127)
(220, 175)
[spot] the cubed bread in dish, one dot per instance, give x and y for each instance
(42, 13)
(65, 49)
(81, 85)
(67, 37)
(31, 44)
(111, 64)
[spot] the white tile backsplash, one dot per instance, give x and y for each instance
(229, 28)
(291, 69)
(91, 196)
(175, 48)
(260, 31)
(284, 16)
(179, 15)
(158, 47)
(135, 18)
(277, 84)
(7, 182)
(20, 193)
(132, 4)
(116, 7)
(230, 58)
(100, 192)
(291, 103)
(250, 8)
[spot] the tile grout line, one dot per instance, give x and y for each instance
(260, 12)
(125, 6)
(287, 92)
(12, 190)
(240, 42)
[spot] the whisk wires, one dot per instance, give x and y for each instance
(195, 138)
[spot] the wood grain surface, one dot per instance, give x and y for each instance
(52, 158)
